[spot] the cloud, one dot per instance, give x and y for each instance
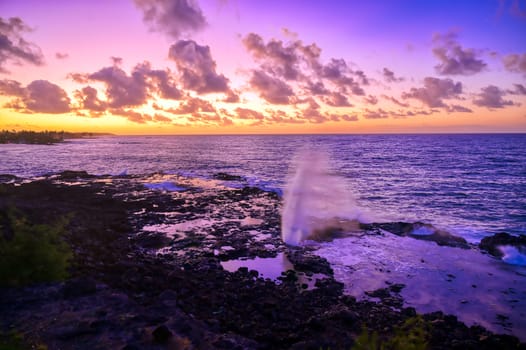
(162, 81)
(172, 17)
(406, 113)
(40, 96)
(360, 75)
(317, 88)
(492, 98)
(249, 114)
(513, 8)
(312, 113)
(336, 99)
(79, 77)
(271, 89)
(395, 101)
(161, 119)
(14, 48)
(11, 88)
(61, 55)
(515, 63)
(516, 9)
(280, 117)
(460, 109)
(349, 118)
(89, 100)
(390, 77)
(231, 97)
(455, 60)
(372, 100)
(378, 114)
(279, 59)
(193, 105)
(210, 119)
(519, 90)
(132, 116)
(197, 68)
(285, 60)
(299, 67)
(339, 73)
(435, 91)
(123, 90)
(46, 97)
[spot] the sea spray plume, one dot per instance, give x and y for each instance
(315, 200)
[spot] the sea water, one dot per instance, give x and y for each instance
(471, 185)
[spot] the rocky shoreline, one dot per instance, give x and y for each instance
(138, 283)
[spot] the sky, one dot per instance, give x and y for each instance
(256, 67)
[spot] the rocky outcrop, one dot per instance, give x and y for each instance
(124, 295)
(491, 244)
(421, 231)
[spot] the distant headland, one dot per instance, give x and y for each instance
(43, 137)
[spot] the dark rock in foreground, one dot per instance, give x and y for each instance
(124, 295)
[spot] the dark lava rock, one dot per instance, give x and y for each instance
(79, 287)
(227, 177)
(379, 293)
(440, 237)
(7, 178)
(306, 262)
(145, 300)
(491, 243)
(152, 240)
(161, 334)
(250, 191)
(397, 288)
(397, 228)
(72, 174)
(74, 331)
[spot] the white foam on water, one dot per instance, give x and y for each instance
(164, 186)
(423, 231)
(315, 194)
(512, 255)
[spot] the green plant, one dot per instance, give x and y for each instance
(12, 341)
(412, 335)
(366, 341)
(16, 341)
(32, 253)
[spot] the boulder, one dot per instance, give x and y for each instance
(491, 244)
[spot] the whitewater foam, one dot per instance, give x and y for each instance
(512, 255)
(315, 198)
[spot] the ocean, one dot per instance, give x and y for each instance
(469, 185)
(472, 185)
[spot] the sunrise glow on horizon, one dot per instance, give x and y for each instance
(246, 67)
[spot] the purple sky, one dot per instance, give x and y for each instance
(183, 66)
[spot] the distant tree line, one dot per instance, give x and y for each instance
(41, 137)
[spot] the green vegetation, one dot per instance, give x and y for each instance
(412, 335)
(32, 253)
(16, 341)
(41, 137)
(12, 341)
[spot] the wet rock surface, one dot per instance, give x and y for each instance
(147, 274)
(491, 244)
(421, 231)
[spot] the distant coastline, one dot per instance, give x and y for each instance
(43, 137)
